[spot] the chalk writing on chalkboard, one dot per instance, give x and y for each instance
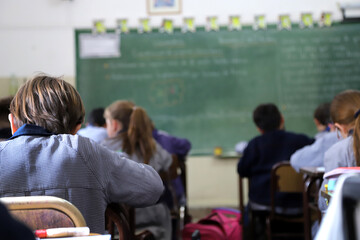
(205, 85)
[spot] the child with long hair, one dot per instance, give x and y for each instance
(130, 131)
(343, 109)
(344, 113)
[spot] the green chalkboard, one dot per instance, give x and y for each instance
(204, 85)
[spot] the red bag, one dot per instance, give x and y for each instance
(221, 224)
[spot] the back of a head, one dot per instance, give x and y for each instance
(137, 128)
(343, 110)
(120, 110)
(344, 106)
(322, 114)
(96, 117)
(4, 111)
(267, 117)
(48, 102)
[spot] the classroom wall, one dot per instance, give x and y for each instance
(38, 36)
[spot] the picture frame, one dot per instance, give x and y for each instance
(163, 7)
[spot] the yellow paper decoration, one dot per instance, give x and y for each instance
(284, 22)
(260, 22)
(326, 19)
(168, 26)
(212, 24)
(306, 20)
(122, 25)
(99, 26)
(144, 25)
(235, 23)
(189, 25)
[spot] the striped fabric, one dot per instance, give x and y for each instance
(78, 170)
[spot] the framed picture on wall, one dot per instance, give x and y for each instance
(162, 7)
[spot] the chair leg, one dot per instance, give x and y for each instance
(268, 228)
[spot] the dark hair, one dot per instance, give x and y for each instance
(322, 114)
(96, 117)
(4, 111)
(48, 102)
(267, 117)
(137, 128)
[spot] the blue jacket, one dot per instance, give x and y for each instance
(174, 145)
(260, 156)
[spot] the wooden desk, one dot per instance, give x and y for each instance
(313, 177)
(314, 172)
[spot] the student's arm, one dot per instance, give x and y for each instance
(337, 156)
(122, 179)
(247, 160)
(310, 155)
(174, 145)
(313, 155)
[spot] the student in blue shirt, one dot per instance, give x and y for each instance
(95, 127)
(345, 153)
(313, 155)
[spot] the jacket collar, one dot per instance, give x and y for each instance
(30, 129)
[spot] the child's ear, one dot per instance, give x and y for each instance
(260, 130)
(282, 123)
(12, 123)
(77, 128)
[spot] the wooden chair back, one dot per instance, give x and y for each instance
(285, 179)
(123, 218)
(41, 212)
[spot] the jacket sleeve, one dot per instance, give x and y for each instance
(124, 180)
(311, 155)
(247, 160)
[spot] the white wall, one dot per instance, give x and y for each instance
(38, 35)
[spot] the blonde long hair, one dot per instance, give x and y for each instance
(343, 108)
(136, 132)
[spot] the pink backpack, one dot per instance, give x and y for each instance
(222, 223)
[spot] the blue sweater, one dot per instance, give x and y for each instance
(259, 157)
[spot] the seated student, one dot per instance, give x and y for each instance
(130, 130)
(272, 146)
(172, 144)
(344, 114)
(95, 127)
(322, 119)
(178, 146)
(5, 130)
(313, 155)
(45, 157)
(12, 229)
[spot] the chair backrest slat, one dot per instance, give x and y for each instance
(39, 212)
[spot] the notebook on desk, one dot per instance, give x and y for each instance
(341, 170)
(91, 237)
